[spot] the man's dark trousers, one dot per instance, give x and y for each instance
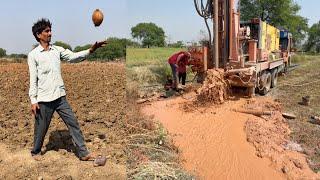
(43, 119)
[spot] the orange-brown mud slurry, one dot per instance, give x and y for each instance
(213, 141)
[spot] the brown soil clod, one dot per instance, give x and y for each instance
(214, 89)
(315, 120)
(305, 101)
(99, 161)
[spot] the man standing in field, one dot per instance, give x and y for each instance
(47, 91)
(174, 61)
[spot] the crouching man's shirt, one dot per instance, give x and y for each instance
(46, 82)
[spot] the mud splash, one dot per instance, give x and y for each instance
(214, 88)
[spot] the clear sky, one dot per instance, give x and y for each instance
(72, 20)
(310, 9)
(178, 18)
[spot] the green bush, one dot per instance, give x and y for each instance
(2, 52)
(62, 44)
(17, 56)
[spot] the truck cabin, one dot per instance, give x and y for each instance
(285, 41)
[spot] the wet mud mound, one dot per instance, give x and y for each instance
(269, 135)
(215, 88)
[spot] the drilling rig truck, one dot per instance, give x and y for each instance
(252, 53)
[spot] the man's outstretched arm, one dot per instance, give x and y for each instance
(74, 57)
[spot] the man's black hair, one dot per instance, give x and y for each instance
(40, 26)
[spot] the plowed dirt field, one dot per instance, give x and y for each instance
(96, 93)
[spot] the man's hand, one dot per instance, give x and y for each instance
(97, 45)
(34, 108)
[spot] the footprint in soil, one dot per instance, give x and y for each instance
(60, 139)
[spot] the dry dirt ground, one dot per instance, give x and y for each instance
(218, 143)
(96, 92)
(303, 81)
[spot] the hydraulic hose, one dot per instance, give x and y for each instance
(206, 12)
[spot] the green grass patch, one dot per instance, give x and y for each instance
(148, 56)
(301, 58)
(148, 66)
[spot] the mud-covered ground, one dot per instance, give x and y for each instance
(96, 92)
(223, 142)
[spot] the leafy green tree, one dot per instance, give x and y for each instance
(62, 44)
(313, 42)
(2, 52)
(149, 34)
(282, 13)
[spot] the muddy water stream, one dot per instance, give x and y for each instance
(212, 141)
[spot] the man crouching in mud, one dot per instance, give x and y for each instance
(47, 92)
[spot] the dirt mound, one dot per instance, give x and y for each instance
(96, 93)
(214, 88)
(270, 135)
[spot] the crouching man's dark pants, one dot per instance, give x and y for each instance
(43, 119)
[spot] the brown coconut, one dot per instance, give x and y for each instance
(97, 17)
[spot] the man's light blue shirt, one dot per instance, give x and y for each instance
(46, 82)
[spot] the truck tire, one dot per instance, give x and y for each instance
(274, 78)
(251, 92)
(267, 85)
(289, 61)
(287, 65)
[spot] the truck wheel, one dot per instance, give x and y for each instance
(251, 92)
(267, 84)
(289, 61)
(274, 77)
(287, 65)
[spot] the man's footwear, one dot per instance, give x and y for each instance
(37, 157)
(89, 157)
